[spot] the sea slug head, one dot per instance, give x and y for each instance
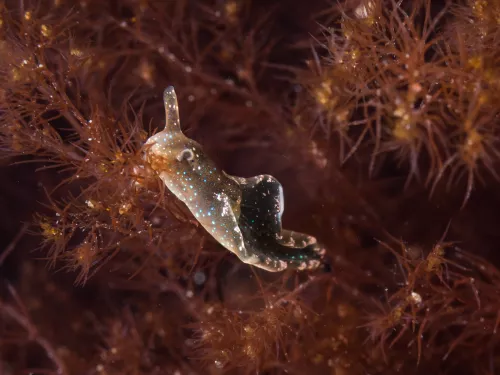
(179, 161)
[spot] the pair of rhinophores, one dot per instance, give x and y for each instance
(242, 214)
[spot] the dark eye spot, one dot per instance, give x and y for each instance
(186, 154)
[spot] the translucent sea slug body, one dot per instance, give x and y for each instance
(242, 214)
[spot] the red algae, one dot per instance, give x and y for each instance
(379, 118)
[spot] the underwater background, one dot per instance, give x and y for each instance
(381, 121)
